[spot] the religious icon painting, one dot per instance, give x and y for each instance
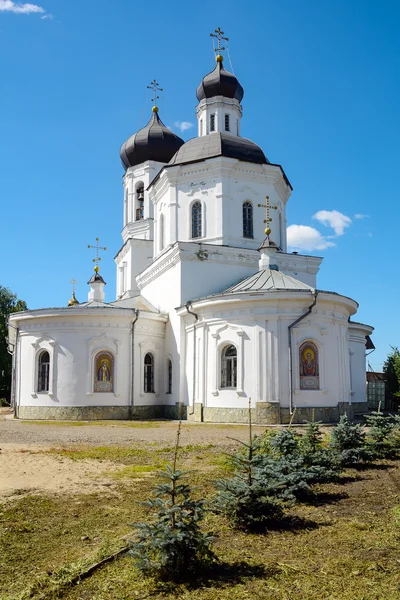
(104, 372)
(309, 366)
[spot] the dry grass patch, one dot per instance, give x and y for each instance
(343, 546)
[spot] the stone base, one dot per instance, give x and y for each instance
(325, 414)
(99, 413)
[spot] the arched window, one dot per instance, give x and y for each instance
(103, 372)
(247, 220)
(43, 383)
(229, 367)
(309, 366)
(126, 207)
(161, 233)
(196, 220)
(169, 367)
(139, 201)
(149, 373)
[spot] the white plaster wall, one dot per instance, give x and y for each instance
(222, 185)
(74, 343)
(260, 333)
(357, 365)
(219, 106)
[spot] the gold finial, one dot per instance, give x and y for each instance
(220, 36)
(267, 219)
(156, 88)
(97, 259)
(72, 301)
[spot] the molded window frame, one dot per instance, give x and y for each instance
(224, 362)
(213, 119)
(196, 204)
(45, 343)
(248, 221)
(149, 373)
(227, 122)
(43, 387)
(139, 203)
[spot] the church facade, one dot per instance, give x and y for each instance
(211, 312)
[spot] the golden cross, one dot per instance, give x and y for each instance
(156, 88)
(73, 282)
(220, 36)
(97, 258)
(267, 219)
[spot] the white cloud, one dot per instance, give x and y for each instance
(183, 125)
(18, 8)
(47, 17)
(360, 216)
(303, 237)
(334, 219)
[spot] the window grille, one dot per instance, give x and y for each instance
(149, 373)
(44, 372)
(140, 203)
(227, 128)
(196, 220)
(247, 220)
(229, 367)
(212, 122)
(169, 377)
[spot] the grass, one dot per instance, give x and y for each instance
(343, 546)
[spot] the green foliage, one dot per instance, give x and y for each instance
(348, 441)
(9, 303)
(292, 463)
(391, 369)
(172, 546)
(249, 498)
(379, 438)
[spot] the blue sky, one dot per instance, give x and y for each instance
(321, 82)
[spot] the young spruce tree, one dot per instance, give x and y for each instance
(172, 546)
(348, 441)
(379, 436)
(248, 499)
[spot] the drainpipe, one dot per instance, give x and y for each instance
(290, 328)
(14, 354)
(187, 305)
(132, 396)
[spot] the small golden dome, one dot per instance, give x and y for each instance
(267, 231)
(155, 109)
(73, 300)
(219, 58)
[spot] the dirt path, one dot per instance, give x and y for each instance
(26, 468)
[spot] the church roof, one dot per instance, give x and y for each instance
(219, 144)
(268, 280)
(154, 142)
(220, 83)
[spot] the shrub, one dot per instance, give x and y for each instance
(172, 546)
(348, 441)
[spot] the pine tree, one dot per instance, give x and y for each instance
(248, 498)
(172, 546)
(348, 441)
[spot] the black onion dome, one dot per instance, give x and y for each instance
(220, 83)
(153, 142)
(219, 144)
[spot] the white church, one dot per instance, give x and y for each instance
(211, 311)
